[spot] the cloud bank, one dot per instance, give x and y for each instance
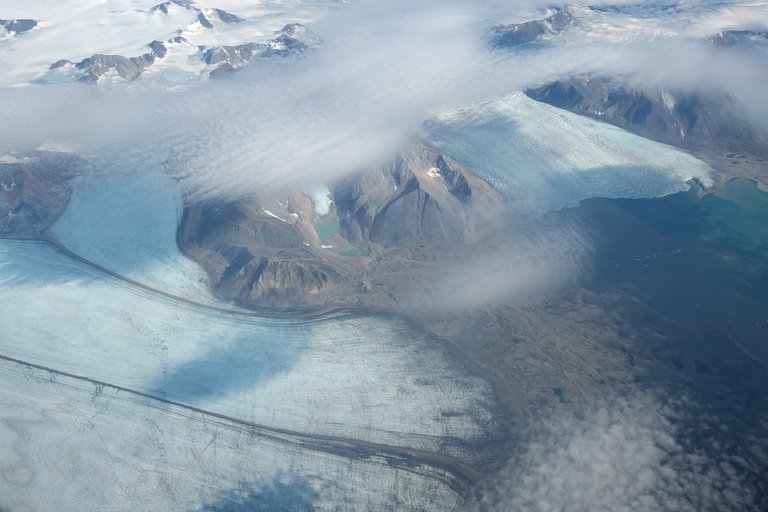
(636, 454)
(383, 69)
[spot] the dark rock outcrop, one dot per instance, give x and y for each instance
(35, 190)
(293, 39)
(18, 26)
(97, 65)
(233, 55)
(163, 7)
(283, 46)
(60, 63)
(278, 282)
(691, 121)
(300, 32)
(226, 17)
(252, 257)
(223, 71)
(204, 21)
(158, 48)
(520, 33)
(94, 67)
(420, 198)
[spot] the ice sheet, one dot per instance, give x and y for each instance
(545, 158)
(368, 378)
(69, 445)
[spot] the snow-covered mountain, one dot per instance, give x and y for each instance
(124, 39)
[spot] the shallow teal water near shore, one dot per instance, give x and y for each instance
(701, 261)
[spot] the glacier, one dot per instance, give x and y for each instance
(66, 444)
(367, 378)
(126, 222)
(543, 158)
(173, 352)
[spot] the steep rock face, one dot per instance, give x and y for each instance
(233, 55)
(504, 36)
(420, 198)
(292, 39)
(35, 191)
(226, 17)
(163, 7)
(158, 48)
(283, 46)
(690, 121)
(278, 282)
(253, 257)
(96, 66)
(274, 250)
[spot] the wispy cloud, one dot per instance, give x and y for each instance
(383, 69)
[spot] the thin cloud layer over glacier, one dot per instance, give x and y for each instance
(380, 71)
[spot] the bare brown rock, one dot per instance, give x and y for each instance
(35, 191)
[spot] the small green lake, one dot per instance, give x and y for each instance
(559, 394)
(356, 253)
(326, 229)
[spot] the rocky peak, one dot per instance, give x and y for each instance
(516, 34)
(273, 250)
(18, 26)
(98, 65)
(420, 198)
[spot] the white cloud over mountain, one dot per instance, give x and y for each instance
(382, 70)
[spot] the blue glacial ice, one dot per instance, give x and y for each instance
(69, 445)
(367, 378)
(544, 158)
(127, 223)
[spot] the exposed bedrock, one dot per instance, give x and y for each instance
(36, 186)
(252, 257)
(515, 34)
(18, 26)
(126, 67)
(693, 121)
(420, 198)
(270, 250)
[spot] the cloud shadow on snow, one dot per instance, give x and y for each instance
(278, 494)
(229, 368)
